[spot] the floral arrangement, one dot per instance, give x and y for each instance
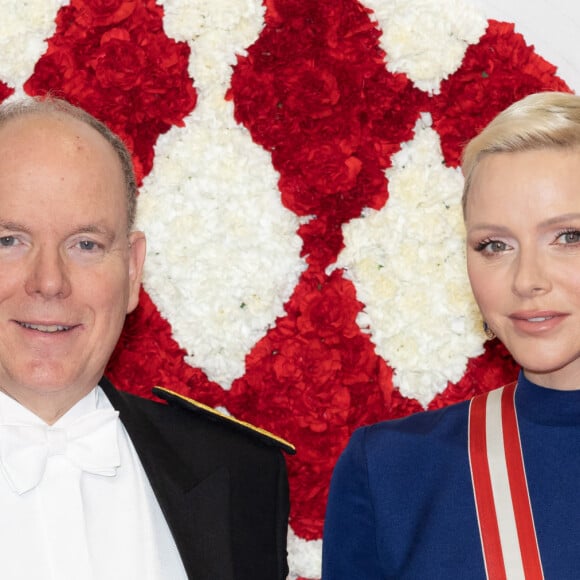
(300, 191)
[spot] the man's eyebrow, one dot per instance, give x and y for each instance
(91, 228)
(95, 228)
(10, 226)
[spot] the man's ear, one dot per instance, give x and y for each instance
(137, 251)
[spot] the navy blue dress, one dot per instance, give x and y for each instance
(401, 501)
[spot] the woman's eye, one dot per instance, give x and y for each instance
(569, 237)
(491, 246)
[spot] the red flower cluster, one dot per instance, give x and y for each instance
(497, 71)
(112, 58)
(5, 91)
(315, 92)
(312, 379)
(147, 356)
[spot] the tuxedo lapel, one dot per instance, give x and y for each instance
(194, 499)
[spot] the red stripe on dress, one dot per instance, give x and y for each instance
(486, 514)
(519, 487)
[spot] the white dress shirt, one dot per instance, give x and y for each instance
(76, 525)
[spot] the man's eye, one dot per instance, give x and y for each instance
(87, 245)
(7, 241)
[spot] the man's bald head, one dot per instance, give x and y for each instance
(42, 106)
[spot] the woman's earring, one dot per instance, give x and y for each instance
(488, 331)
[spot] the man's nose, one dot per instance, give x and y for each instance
(48, 276)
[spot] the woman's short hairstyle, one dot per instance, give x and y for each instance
(51, 105)
(539, 121)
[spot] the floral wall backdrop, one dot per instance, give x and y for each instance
(300, 193)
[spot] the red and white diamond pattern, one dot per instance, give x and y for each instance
(302, 214)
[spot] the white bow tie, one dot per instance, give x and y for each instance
(90, 443)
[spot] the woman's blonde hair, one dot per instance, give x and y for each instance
(538, 121)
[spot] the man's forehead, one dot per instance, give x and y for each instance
(38, 146)
(30, 126)
(35, 143)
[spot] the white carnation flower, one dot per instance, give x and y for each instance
(25, 28)
(407, 263)
(427, 40)
(224, 255)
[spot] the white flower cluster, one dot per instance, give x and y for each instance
(427, 40)
(407, 263)
(26, 25)
(223, 251)
(216, 33)
(305, 557)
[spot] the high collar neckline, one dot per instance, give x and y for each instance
(546, 406)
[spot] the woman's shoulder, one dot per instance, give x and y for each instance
(425, 432)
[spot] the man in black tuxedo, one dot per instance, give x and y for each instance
(96, 483)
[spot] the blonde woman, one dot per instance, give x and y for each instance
(488, 488)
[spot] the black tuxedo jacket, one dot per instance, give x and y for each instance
(222, 488)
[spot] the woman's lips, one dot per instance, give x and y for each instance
(536, 321)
